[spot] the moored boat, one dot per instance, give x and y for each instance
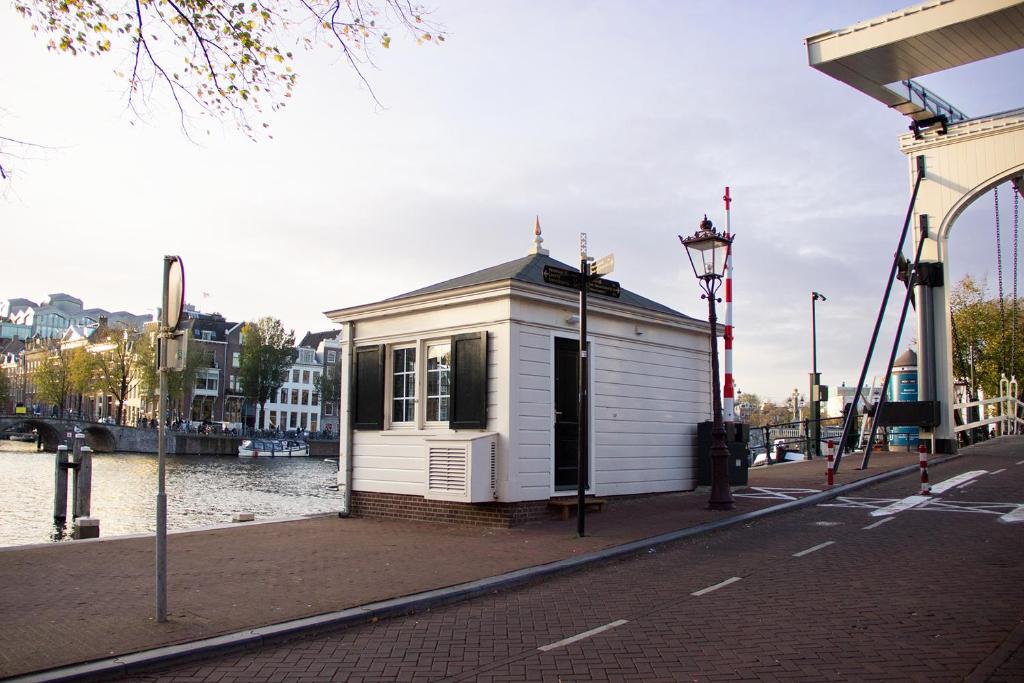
(278, 448)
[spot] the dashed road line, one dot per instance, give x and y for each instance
(878, 523)
(956, 481)
(813, 549)
(900, 506)
(1020, 462)
(1014, 515)
(723, 584)
(998, 471)
(581, 636)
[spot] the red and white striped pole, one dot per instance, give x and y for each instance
(831, 462)
(728, 397)
(926, 488)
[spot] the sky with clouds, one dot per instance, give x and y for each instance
(623, 120)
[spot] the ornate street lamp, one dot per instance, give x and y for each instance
(707, 249)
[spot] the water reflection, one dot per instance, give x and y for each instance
(201, 491)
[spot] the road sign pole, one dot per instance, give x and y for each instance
(161, 495)
(584, 399)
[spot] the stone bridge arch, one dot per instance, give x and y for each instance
(98, 437)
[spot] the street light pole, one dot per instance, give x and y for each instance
(815, 417)
(710, 249)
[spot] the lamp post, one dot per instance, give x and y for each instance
(815, 394)
(709, 248)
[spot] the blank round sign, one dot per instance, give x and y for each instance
(174, 304)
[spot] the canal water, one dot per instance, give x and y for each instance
(201, 491)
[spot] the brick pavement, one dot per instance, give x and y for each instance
(95, 599)
(932, 595)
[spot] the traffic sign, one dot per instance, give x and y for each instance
(604, 287)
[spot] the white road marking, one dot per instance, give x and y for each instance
(764, 493)
(956, 481)
(879, 523)
(900, 506)
(1014, 515)
(814, 549)
(1021, 462)
(998, 471)
(581, 636)
(723, 584)
(967, 483)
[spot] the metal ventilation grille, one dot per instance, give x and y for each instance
(447, 469)
(494, 465)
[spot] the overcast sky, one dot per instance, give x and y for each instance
(622, 119)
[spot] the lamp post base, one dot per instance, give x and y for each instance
(721, 494)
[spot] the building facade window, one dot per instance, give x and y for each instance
(438, 378)
(302, 420)
(332, 357)
(316, 376)
(295, 376)
(236, 359)
(284, 396)
(305, 376)
(305, 397)
(403, 396)
(312, 423)
(315, 399)
(295, 397)
(273, 418)
(328, 410)
(292, 420)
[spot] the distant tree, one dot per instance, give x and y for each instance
(121, 357)
(267, 354)
(52, 380)
(758, 412)
(181, 384)
(6, 390)
(981, 344)
(218, 58)
(82, 371)
(329, 384)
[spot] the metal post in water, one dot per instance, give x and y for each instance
(60, 486)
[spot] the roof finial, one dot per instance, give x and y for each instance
(538, 241)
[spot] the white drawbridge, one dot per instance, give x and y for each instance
(964, 157)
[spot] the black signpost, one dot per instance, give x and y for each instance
(587, 281)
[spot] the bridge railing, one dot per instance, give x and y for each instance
(1008, 417)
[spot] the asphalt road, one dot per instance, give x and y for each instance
(839, 591)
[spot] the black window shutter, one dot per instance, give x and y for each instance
(368, 404)
(468, 402)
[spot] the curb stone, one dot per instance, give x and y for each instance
(246, 639)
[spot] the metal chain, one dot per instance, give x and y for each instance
(1013, 329)
(999, 271)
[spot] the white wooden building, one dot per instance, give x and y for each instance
(461, 396)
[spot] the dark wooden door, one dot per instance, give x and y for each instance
(567, 423)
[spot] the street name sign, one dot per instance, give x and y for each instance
(603, 266)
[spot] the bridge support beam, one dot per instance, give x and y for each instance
(964, 164)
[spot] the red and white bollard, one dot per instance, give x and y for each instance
(831, 462)
(926, 488)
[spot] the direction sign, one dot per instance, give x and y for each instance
(604, 287)
(603, 266)
(569, 278)
(554, 275)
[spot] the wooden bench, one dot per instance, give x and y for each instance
(564, 505)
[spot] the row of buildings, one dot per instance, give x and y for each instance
(33, 333)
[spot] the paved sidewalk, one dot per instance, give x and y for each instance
(77, 602)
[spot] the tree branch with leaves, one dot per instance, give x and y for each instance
(224, 60)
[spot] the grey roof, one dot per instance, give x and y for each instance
(313, 339)
(531, 269)
(907, 360)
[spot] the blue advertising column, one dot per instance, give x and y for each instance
(903, 387)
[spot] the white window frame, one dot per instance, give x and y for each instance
(427, 346)
(391, 384)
